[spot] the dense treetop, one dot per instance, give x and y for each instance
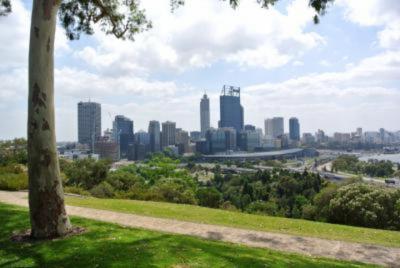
(124, 18)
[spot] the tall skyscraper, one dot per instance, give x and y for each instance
(123, 133)
(268, 128)
(204, 115)
(274, 127)
(278, 127)
(359, 131)
(154, 132)
(294, 129)
(168, 134)
(216, 139)
(231, 111)
(182, 141)
(122, 125)
(89, 123)
(142, 137)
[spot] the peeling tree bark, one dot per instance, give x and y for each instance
(46, 198)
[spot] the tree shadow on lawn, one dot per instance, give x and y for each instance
(105, 245)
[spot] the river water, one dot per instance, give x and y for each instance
(391, 157)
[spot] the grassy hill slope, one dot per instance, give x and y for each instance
(108, 245)
(243, 220)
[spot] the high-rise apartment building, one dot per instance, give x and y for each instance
(268, 128)
(294, 129)
(182, 140)
(230, 138)
(154, 133)
(89, 123)
(107, 149)
(204, 115)
(122, 125)
(123, 133)
(216, 139)
(195, 136)
(142, 137)
(359, 131)
(168, 134)
(320, 136)
(274, 127)
(248, 140)
(231, 111)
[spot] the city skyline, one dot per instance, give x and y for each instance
(231, 116)
(284, 122)
(335, 76)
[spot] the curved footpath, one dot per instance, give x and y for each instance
(303, 245)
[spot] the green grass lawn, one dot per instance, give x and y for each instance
(108, 245)
(242, 220)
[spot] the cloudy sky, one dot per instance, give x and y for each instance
(338, 75)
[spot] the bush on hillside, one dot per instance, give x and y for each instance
(209, 197)
(13, 182)
(13, 177)
(76, 190)
(86, 173)
(173, 190)
(103, 190)
(366, 205)
(260, 207)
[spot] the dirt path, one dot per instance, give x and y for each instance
(303, 245)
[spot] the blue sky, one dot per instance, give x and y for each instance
(338, 75)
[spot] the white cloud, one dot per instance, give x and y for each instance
(203, 32)
(364, 94)
(15, 29)
(390, 36)
(325, 63)
(385, 13)
(82, 84)
(298, 63)
(197, 36)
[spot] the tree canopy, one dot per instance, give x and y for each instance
(123, 18)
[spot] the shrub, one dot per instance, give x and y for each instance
(13, 177)
(322, 200)
(86, 172)
(13, 182)
(309, 212)
(209, 197)
(173, 190)
(123, 181)
(103, 190)
(261, 207)
(366, 205)
(75, 190)
(227, 205)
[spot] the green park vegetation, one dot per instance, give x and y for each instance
(242, 220)
(277, 192)
(372, 168)
(13, 152)
(103, 245)
(13, 159)
(273, 193)
(13, 177)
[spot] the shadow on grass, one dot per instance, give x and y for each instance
(105, 245)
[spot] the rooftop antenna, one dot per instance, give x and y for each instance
(228, 90)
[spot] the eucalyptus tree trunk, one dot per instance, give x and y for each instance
(46, 198)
